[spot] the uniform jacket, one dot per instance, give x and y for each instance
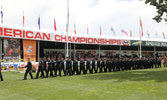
(29, 66)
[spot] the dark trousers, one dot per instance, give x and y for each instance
(159, 65)
(101, 69)
(55, 70)
(82, 68)
(97, 68)
(1, 76)
(75, 70)
(105, 69)
(93, 68)
(42, 73)
(69, 71)
(51, 73)
(28, 71)
(64, 70)
(60, 69)
(46, 71)
(88, 69)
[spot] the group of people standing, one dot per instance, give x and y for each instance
(52, 67)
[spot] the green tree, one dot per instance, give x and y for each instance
(161, 6)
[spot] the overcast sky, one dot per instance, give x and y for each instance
(119, 14)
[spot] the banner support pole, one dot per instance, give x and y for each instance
(67, 26)
(38, 50)
(99, 50)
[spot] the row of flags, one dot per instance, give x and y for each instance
(75, 31)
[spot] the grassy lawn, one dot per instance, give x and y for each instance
(147, 84)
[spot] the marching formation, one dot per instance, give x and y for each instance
(52, 67)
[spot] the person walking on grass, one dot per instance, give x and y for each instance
(29, 69)
(40, 68)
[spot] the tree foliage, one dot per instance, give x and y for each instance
(161, 6)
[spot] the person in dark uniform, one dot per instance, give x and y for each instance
(29, 69)
(1, 73)
(62, 67)
(155, 63)
(57, 66)
(130, 64)
(40, 68)
(93, 65)
(87, 66)
(102, 65)
(98, 64)
(118, 64)
(108, 65)
(54, 67)
(50, 68)
(82, 66)
(68, 66)
(159, 62)
(75, 66)
(113, 67)
(105, 66)
(45, 68)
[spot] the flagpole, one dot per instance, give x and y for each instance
(99, 38)
(22, 41)
(39, 22)
(140, 48)
(67, 25)
(38, 49)
(140, 31)
(0, 37)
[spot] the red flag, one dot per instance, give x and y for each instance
(100, 30)
(141, 29)
(124, 32)
(75, 32)
(55, 25)
(23, 18)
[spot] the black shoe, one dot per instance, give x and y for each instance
(24, 79)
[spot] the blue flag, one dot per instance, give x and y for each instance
(112, 30)
(1, 16)
(39, 22)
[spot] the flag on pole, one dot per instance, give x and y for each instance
(131, 34)
(87, 30)
(100, 30)
(66, 27)
(164, 35)
(1, 15)
(23, 18)
(112, 30)
(141, 28)
(75, 32)
(124, 32)
(39, 22)
(55, 25)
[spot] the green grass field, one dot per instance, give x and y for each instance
(147, 84)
